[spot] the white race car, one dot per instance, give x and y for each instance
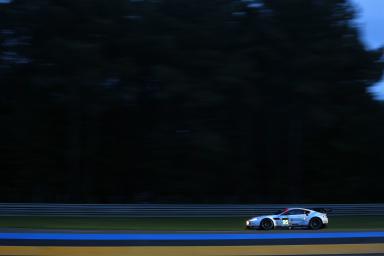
(290, 218)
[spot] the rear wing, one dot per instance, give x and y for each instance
(322, 210)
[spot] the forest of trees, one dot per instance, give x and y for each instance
(188, 101)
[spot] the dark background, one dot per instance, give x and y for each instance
(220, 101)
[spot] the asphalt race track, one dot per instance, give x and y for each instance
(80, 243)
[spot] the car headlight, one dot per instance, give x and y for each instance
(248, 222)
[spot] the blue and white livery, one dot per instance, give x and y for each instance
(290, 218)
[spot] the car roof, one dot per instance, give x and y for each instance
(296, 208)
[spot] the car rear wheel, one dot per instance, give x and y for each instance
(266, 224)
(315, 223)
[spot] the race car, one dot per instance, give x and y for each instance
(290, 218)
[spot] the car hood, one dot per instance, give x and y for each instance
(262, 217)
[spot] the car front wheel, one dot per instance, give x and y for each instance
(266, 224)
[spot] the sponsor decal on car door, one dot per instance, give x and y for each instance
(297, 219)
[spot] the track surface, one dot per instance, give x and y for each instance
(296, 242)
(129, 238)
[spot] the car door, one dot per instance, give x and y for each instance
(296, 217)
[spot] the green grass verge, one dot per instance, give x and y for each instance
(111, 223)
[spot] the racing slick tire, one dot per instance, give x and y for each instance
(315, 223)
(266, 224)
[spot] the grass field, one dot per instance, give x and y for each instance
(224, 223)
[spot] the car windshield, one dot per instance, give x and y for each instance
(279, 211)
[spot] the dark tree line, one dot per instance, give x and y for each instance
(187, 101)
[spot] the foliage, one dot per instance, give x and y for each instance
(187, 101)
